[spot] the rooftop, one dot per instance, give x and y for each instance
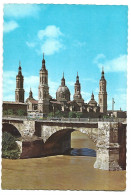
(12, 102)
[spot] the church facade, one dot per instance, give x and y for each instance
(46, 104)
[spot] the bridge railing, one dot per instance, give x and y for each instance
(94, 119)
(66, 119)
(14, 117)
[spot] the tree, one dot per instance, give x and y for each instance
(10, 148)
(10, 112)
(72, 115)
(58, 113)
(50, 114)
(79, 114)
(21, 112)
(5, 112)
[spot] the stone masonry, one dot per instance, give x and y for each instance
(107, 146)
(47, 138)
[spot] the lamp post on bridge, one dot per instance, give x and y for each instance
(113, 102)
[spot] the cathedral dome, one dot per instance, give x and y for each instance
(63, 93)
(63, 89)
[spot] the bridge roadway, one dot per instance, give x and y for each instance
(54, 137)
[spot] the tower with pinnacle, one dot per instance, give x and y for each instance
(19, 91)
(30, 94)
(43, 90)
(102, 94)
(77, 95)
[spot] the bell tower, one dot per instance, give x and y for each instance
(43, 90)
(19, 92)
(77, 95)
(102, 94)
(30, 94)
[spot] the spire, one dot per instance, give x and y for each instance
(30, 94)
(63, 81)
(19, 69)
(102, 73)
(92, 96)
(77, 78)
(19, 64)
(43, 62)
(63, 75)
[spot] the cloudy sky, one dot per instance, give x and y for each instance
(74, 38)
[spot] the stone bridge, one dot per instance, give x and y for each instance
(43, 138)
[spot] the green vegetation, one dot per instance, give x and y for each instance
(10, 148)
(8, 112)
(5, 112)
(19, 112)
(60, 114)
(50, 114)
(79, 115)
(72, 115)
(75, 115)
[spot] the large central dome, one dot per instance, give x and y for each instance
(63, 93)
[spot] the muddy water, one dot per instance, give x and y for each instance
(61, 172)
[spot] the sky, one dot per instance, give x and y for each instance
(74, 38)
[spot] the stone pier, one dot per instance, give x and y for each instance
(108, 146)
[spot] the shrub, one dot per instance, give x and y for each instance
(10, 112)
(21, 112)
(50, 114)
(72, 115)
(10, 148)
(5, 112)
(58, 114)
(79, 115)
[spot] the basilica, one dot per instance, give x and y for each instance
(46, 104)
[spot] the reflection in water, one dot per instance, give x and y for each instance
(81, 152)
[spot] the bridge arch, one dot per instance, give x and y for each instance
(59, 141)
(47, 131)
(10, 128)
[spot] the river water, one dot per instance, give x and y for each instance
(74, 171)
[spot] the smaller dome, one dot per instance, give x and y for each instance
(92, 102)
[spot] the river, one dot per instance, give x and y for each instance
(62, 172)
